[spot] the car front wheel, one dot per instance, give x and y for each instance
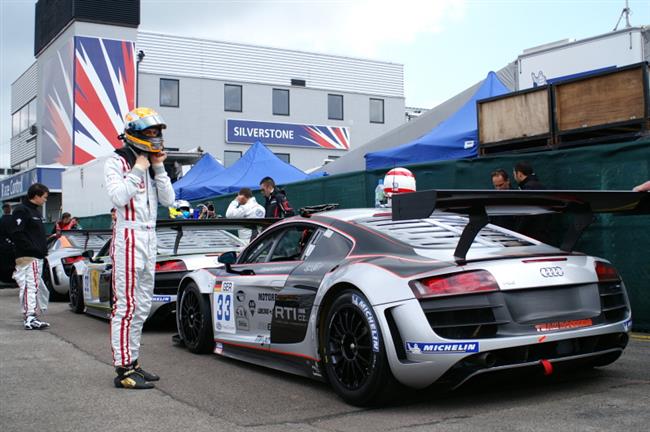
(76, 293)
(353, 351)
(195, 320)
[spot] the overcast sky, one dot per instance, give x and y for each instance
(444, 45)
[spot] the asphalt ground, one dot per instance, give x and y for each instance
(61, 379)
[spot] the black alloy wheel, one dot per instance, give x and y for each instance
(75, 293)
(195, 320)
(355, 359)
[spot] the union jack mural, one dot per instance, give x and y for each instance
(328, 137)
(56, 114)
(104, 92)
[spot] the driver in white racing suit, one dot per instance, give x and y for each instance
(136, 183)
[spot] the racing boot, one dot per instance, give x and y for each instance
(147, 375)
(33, 323)
(128, 378)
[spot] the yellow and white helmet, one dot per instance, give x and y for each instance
(135, 124)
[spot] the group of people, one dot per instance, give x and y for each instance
(136, 183)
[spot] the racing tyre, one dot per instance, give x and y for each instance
(353, 351)
(76, 293)
(195, 320)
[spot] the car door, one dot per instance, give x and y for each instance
(324, 251)
(243, 304)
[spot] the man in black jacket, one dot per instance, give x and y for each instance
(28, 235)
(7, 253)
(276, 205)
(537, 227)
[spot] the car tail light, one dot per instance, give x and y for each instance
(72, 259)
(170, 266)
(455, 284)
(606, 272)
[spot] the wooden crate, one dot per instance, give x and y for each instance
(517, 121)
(604, 107)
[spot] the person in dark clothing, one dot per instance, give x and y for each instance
(7, 252)
(28, 235)
(538, 226)
(276, 205)
(501, 181)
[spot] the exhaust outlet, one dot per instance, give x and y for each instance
(486, 359)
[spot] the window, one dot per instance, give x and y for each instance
(24, 118)
(232, 100)
(284, 157)
(292, 243)
(15, 123)
(376, 110)
(230, 157)
(32, 112)
(169, 92)
(260, 251)
(280, 102)
(335, 107)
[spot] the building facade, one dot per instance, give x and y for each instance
(68, 107)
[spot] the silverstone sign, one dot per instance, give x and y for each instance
(288, 134)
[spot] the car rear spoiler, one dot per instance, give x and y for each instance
(479, 204)
(86, 233)
(224, 223)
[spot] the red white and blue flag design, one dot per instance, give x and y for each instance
(104, 92)
(289, 134)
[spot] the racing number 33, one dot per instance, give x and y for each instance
(223, 307)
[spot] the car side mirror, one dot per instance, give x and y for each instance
(228, 257)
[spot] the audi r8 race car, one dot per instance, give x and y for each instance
(183, 246)
(368, 300)
(63, 252)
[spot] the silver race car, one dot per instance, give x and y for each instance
(183, 246)
(63, 252)
(369, 301)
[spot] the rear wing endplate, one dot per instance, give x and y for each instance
(479, 204)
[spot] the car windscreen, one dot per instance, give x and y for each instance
(196, 239)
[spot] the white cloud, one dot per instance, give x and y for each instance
(346, 27)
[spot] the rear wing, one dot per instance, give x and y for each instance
(479, 204)
(223, 223)
(86, 234)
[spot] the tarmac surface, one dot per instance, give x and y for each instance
(61, 379)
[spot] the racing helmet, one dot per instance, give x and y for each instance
(135, 124)
(398, 180)
(182, 208)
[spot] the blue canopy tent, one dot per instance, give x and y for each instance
(257, 163)
(454, 138)
(206, 168)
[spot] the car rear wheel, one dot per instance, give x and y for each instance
(195, 320)
(355, 359)
(76, 293)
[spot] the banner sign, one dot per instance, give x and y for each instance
(17, 185)
(289, 134)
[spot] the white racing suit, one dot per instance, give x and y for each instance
(33, 294)
(249, 210)
(136, 197)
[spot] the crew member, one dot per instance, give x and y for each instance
(276, 205)
(28, 235)
(136, 182)
(245, 206)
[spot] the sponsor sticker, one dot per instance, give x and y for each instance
(224, 286)
(218, 348)
(161, 299)
(361, 304)
(442, 348)
(563, 325)
(627, 325)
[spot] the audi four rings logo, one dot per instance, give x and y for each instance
(551, 272)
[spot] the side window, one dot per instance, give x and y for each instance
(260, 252)
(328, 246)
(292, 244)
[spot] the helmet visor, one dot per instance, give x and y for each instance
(147, 122)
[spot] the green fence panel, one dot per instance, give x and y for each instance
(624, 240)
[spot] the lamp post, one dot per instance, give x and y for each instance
(137, 75)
